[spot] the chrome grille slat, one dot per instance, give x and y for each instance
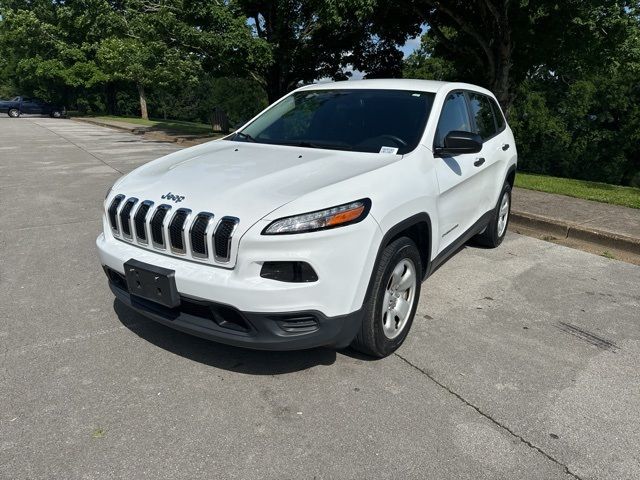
(125, 217)
(222, 238)
(157, 226)
(177, 239)
(140, 222)
(113, 213)
(198, 234)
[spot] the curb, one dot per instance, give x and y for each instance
(135, 130)
(576, 232)
(156, 135)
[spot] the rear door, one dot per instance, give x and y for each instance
(460, 187)
(489, 124)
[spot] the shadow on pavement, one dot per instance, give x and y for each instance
(235, 359)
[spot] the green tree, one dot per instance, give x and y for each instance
(49, 48)
(307, 39)
(500, 43)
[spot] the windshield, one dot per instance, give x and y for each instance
(387, 121)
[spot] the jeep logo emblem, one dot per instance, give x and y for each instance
(172, 197)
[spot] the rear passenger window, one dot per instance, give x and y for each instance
(483, 114)
(454, 117)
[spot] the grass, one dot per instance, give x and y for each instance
(600, 192)
(172, 126)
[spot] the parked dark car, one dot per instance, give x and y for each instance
(19, 105)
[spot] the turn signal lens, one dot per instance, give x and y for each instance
(339, 216)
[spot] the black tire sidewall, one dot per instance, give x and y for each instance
(506, 190)
(402, 248)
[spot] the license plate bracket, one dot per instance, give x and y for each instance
(152, 283)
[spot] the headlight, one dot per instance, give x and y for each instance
(339, 216)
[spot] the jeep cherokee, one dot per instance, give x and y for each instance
(316, 222)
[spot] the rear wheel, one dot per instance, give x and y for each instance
(497, 228)
(391, 304)
(14, 113)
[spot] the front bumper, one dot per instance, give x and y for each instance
(262, 331)
(342, 258)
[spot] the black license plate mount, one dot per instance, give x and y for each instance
(153, 283)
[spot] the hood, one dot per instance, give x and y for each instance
(244, 180)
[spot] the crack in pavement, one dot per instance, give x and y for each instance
(490, 418)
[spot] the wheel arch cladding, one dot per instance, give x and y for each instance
(418, 229)
(511, 176)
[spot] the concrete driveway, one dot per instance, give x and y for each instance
(523, 362)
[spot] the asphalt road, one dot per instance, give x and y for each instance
(523, 362)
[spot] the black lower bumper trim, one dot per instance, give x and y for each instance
(261, 331)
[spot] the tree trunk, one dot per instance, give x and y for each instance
(143, 102)
(111, 98)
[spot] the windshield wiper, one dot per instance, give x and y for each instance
(246, 136)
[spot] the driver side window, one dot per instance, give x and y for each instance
(454, 117)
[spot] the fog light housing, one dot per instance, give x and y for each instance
(293, 272)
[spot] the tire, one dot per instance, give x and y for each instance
(56, 114)
(497, 228)
(386, 318)
(14, 113)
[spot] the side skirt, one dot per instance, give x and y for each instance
(452, 249)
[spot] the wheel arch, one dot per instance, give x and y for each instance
(416, 227)
(510, 177)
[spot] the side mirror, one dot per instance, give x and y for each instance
(457, 143)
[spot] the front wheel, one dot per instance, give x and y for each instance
(14, 113)
(56, 114)
(391, 304)
(497, 228)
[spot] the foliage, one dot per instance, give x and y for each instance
(600, 192)
(307, 39)
(571, 90)
(566, 72)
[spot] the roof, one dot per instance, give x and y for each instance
(381, 83)
(394, 84)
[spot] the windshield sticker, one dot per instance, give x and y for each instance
(391, 150)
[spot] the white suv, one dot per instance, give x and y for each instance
(316, 222)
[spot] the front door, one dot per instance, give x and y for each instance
(30, 105)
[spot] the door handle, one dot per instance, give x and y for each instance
(505, 147)
(478, 162)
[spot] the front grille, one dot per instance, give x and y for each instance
(222, 238)
(125, 217)
(157, 226)
(177, 232)
(112, 212)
